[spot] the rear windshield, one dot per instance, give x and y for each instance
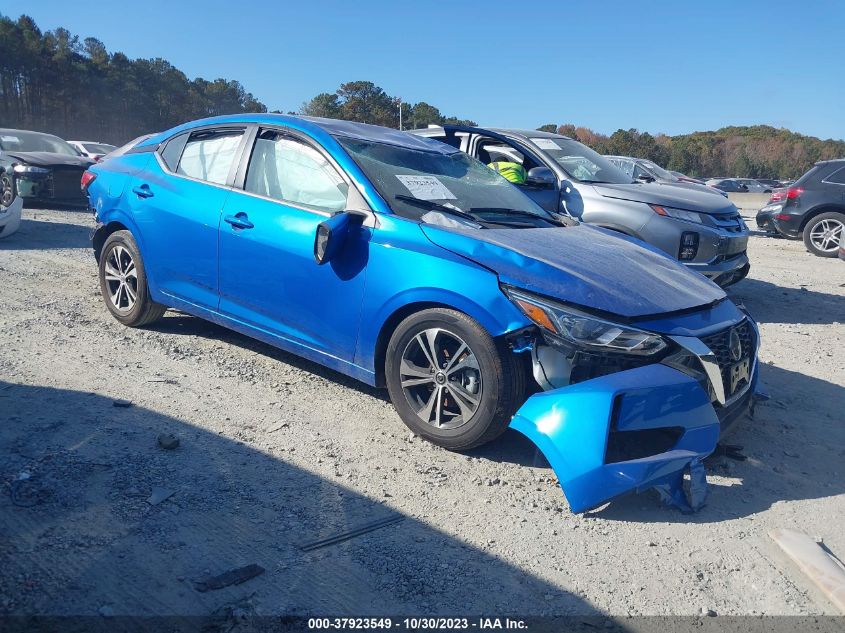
(456, 180)
(21, 141)
(580, 162)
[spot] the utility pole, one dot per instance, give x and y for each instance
(400, 113)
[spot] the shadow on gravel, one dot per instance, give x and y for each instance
(770, 303)
(795, 447)
(37, 234)
(80, 534)
(188, 325)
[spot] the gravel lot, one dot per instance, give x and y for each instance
(276, 452)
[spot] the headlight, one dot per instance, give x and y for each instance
(29, 169)
(680, 214)
(583, 331)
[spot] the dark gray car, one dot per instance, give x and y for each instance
(643, 170)
(702, 230)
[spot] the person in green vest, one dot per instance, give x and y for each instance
(514, 172)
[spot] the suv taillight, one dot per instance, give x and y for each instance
(87, 178)
(780, 195)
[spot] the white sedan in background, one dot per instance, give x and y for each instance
(92, 149)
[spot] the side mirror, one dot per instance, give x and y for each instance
(331, 234)
(542, 177)
(645, 178)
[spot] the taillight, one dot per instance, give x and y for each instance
(87, 178)
(779, 195)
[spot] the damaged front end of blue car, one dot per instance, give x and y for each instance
(633, 406)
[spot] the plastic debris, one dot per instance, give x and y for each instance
(232, 577)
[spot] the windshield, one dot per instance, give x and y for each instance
(658, 171)
(20, 141)
(580, 162)
(416, 182)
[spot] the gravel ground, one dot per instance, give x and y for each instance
(276, 452)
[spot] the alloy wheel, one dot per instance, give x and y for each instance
(121, 278)
(7, 194)
(826, 234)
(441, 378)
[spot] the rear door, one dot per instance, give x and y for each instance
(177, 201)
(269, 279)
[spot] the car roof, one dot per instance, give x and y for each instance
(333, 127)
(6, 130)
(527, 133)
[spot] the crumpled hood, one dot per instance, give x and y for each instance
(49, 159)
(669, 196)
(583, 265)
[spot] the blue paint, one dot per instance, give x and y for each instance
(571, 426)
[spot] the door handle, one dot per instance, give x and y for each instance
(143, 191)
(239, 221)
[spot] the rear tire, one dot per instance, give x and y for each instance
(467, 396)
(823, 233)
(123, 282)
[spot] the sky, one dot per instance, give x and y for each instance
(672, 67)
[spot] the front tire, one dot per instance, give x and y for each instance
(123, 282)
(450, 381)
(823, 232)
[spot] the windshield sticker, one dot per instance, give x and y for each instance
(426, 187)
(10, 139)
(545, 143)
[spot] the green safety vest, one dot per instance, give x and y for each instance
(512, 171)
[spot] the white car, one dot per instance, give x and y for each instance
(92, 149)
(10, 213)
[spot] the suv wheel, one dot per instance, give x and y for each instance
(823, 233)
(450, 382)
(123, 282)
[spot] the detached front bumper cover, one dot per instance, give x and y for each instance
(572, 427)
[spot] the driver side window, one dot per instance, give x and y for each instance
(286, 169)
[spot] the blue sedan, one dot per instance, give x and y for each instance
(403, 262)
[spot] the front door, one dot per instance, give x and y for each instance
(268, 276)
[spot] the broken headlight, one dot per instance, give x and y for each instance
(582, 331)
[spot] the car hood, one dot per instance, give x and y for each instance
(668, 196)
(49, 159)
(591, 267)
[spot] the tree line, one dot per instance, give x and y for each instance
(757, 151)
(55, 82)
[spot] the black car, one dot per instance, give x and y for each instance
(770, 183)
(813, 208)
(41, 168)
(728, 185)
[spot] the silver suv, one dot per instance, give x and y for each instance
(702, 230)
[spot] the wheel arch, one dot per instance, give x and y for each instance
(497, 328)
(102, 234)
(816, 211)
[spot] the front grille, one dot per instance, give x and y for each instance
(719, 343)
(731, 222)
(66, 184)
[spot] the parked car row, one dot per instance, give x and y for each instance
(702, 230)
(812, 209)
(41, 168)
(407, 263)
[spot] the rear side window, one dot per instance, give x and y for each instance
(173, 151)
(209, 154)
(288, 170)
(837, 177)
